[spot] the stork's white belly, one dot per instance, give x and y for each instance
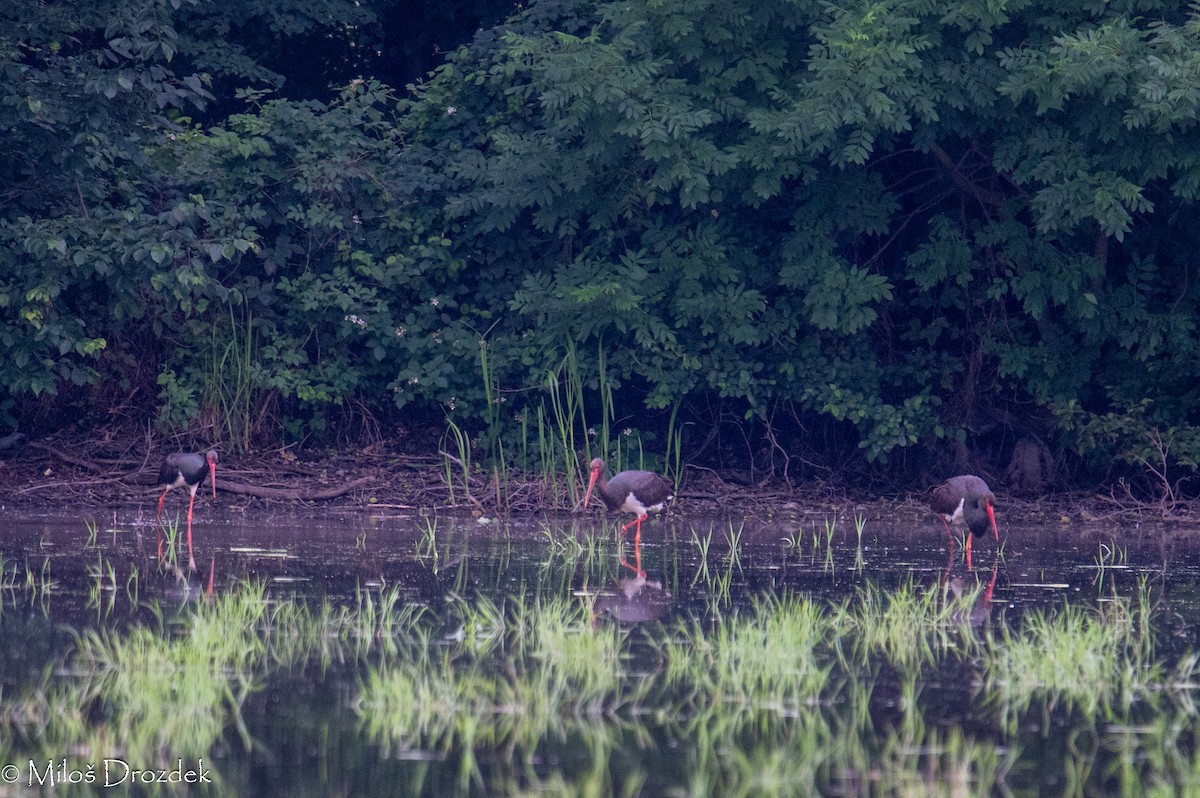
(634, 505)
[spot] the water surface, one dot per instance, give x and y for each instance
(319, 720)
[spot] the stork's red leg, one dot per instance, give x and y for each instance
(191, 559)
(159, 535)
(635, 522)
(968, 551)
(637, 543)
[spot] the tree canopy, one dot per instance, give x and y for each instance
(910, 233)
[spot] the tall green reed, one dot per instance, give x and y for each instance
(673, 458)
(494, 421)
(569, 429)
(231, 393)
(457, 467)
(557, 431)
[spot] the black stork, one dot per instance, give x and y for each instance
(187, 470)
(968, 500)
(640, 492)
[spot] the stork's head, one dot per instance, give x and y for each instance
(212, 458)
(597, 468)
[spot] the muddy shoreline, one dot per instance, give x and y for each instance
(87, 473)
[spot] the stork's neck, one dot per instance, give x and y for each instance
(610, 497)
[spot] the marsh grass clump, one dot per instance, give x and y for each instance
(910, 626)
(577, 659)
(482, 624)
(565, 657)
(540, 669)
(8, 577)
(102, 583)
(380, 621)
(1084, 658)
(378, 624)
(170, 539)
(524, 692)
(566, 673)
(769, 657)
(173, 687)
(39, 583)
(172, 692)
(529, 452)
(457, 467)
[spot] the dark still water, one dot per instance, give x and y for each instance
(351, 654)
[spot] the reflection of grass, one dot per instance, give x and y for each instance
(780, 695)
(150, 693)
(562, 543)
(38, 583)
(941, 762)
(822, 537)
(1110, 556)
(830, 531)
(734, 539)
(1159, 757)
(103, 578)
(35, 584)
(1107, 559)
(427, 545)
(573, 657)
(703, 544)
(860, 523)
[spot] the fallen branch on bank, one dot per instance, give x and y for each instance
(295, 494)
(67, 457)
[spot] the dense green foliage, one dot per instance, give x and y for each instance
(850, 232)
